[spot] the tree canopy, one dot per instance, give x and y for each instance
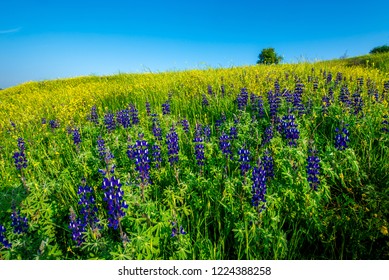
(269, 56)
(380, 49)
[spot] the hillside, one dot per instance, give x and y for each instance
(257, 162)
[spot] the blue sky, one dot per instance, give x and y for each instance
(54, 39)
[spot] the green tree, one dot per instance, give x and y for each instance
(380, 49)
(269, 56)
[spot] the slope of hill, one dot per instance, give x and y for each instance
(256, 162)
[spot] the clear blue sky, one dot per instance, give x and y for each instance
(54, 39)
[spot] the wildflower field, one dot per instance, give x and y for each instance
(259, 162)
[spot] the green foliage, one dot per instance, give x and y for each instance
(380, 49)
(269, 56)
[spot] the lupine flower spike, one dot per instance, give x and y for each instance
(3, 239)
(199, 147)
(21, 160)
(173, 149)
(289, 129)
(176, 232)
(113, 196)
(19, 223)
(142, 162)
(268, 164)
(88, 205)
(342, 137)
(313, 169)
(258, 190)
(244, 159)
(76, 228)
(172, 145)
(93, 117)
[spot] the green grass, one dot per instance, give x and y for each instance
(346, 218)
(376, 61)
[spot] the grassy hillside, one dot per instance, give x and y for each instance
(257, 162)
(375, 61)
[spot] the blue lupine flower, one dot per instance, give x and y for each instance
(313, 169)
(88, 206)
(44, 121)
(258, 190)
(3, 240)
(344, 96)
(134, 114)
(109, 121)
(339, 77)
(176, 231)
(101, 148)
(156, 128)
(329, 77)
(123, 118)
(21, 144)
(225, 145)
(54, 124)
(166, 108)
(210, 92)
(289, 129)
(315, 85)
(244, 160)
(253, 101)
(268, 164)
(331, 94)
(148, 108)
(185, 125)
(172, 145)
(199, 149)
(131, 152)
(259, 107)
(242, 99)
(267, 135)
(182, 231)
(219, 122)
(142, 161)
(20, 156)
(76, 136)
(77, 228)
(357, 103)
(274, 102)
(94, 117)
(326, 102)
(199, 130)
(19, 223)
(233, 133)
(287, 96)
(207, 133)
(341, 137)
(297, 98)
(156, 154)
(205, 102)
(113, 196)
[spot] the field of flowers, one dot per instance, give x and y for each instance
(260, 162)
